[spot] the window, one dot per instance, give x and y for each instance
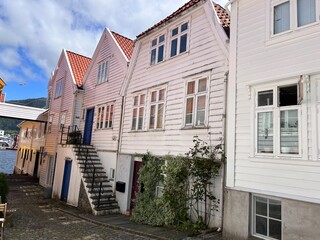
(179, 39)
(196, 101)
(59, 89)
(105, 116)
(281, 132)
(50, 123)
(300, 12)
(306, 11)
(138, 112)
(157, 50)
(157, 109)
(62, 119)
(103, 72)
(267, 217)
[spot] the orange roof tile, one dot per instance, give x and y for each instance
(221, 12)
(79, 65)
(125, 43)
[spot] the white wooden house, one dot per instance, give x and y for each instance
(65, 92)
(94, 161)
(174, 90)
(273, 121)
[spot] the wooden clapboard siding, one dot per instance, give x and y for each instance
(262, 59)
(107, 92)
(204, 56)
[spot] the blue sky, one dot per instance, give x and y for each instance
(33, 33)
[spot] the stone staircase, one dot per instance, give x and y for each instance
(98, 187)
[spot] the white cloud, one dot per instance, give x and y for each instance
(9, 57)
(43, 27)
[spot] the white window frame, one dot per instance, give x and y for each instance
(276, 120)
(156, 104)
(195, 96)
(50, 120)
(137, 107)
(59, 88)
(293, 5)
(156, 48)
(104, 113)
(253, 215)
(103, 72)
(178, 37)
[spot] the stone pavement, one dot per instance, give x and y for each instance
(31, 216)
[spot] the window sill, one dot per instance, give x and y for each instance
(194, 127)
(167, 60)
(98, 84)
(103, 129)
(293, 34)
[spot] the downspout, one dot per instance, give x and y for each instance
(224, 126)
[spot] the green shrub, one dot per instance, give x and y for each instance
(4, 189)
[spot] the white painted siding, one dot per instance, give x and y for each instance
(203, 57)
(261, 59)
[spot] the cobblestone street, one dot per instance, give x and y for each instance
(30, 216)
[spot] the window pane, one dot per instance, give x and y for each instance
(111, 116)
(184, 27)
(106, 72)
(140, 122)
(306, 12)
(160, 53)
(99, 69)
(202, 85)
(189, 110)
(275, 209)
(154, 96)
(261, 206)
(160, 115)
(201, 109)
(101, 118)
(288, 95)
(183, 43)
(174, 45)
(175, 31)
(142, 99)
(153, 56)
(134, 118)
(289, 136)
(265, 98)
(282, 17)
(261, 225)
(152, 116)
(265, 132)
(274, 229)
(161, 94)
(154, 42)
(161, 39)
(135, 101)
(102, 72)
(191, 87)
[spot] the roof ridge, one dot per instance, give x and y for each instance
(78, 54)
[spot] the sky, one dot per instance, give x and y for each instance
(34, 32)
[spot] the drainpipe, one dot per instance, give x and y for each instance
(223, 180)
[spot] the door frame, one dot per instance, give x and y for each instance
(87, 127)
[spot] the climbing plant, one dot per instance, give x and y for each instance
(4, 189)
(185, 184)
(204, 165)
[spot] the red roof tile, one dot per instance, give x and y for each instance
(125, 43)
(79, 65)
(221, 12)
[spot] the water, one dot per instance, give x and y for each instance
(7, 160)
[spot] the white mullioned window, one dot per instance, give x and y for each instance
(196, 102)
(278, 120)
(105, 116)
(138, 110)
(292, 14)
(157, 49)
(157, 103)
(266, 217)
(179, 39)
(103, 72)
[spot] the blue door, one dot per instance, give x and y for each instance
(66, 180)
(88, 126)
